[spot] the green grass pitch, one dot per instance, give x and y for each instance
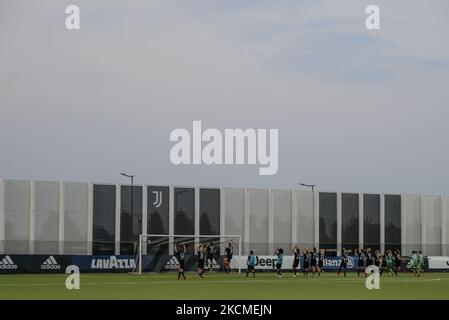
(222, 287)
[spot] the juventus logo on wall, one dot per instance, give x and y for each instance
(157, 198)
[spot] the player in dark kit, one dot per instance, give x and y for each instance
(343, 263)
(321, 256)
(397, 262)
(305, 263)
(229, 251)
(369, 258)
(313, 261)
(378, 260)
(210, 256)
(383, 262)
(361, 264)
(201, 255)
(180, 254)
(296, 254)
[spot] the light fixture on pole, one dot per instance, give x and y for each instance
(312, 186)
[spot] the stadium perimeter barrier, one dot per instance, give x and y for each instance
(152, 263)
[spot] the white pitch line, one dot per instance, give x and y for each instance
(205, 281)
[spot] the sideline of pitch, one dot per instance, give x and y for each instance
(341, 280)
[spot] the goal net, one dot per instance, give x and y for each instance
(157, 252)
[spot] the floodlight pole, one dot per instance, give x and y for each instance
(316, 219)
(132, 190)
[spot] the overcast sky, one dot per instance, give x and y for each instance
(357, 110)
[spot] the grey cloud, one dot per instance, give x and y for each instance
(87, 105)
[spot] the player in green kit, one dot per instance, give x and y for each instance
(420, 261)
(414, 263)
(251, 263)
(280, 253)
(389, 259)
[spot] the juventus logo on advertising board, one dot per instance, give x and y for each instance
(157, 198)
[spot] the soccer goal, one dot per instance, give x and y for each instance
(157, 252)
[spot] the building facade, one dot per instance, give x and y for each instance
(73, 218)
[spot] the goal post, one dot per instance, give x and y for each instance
(155, 252)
